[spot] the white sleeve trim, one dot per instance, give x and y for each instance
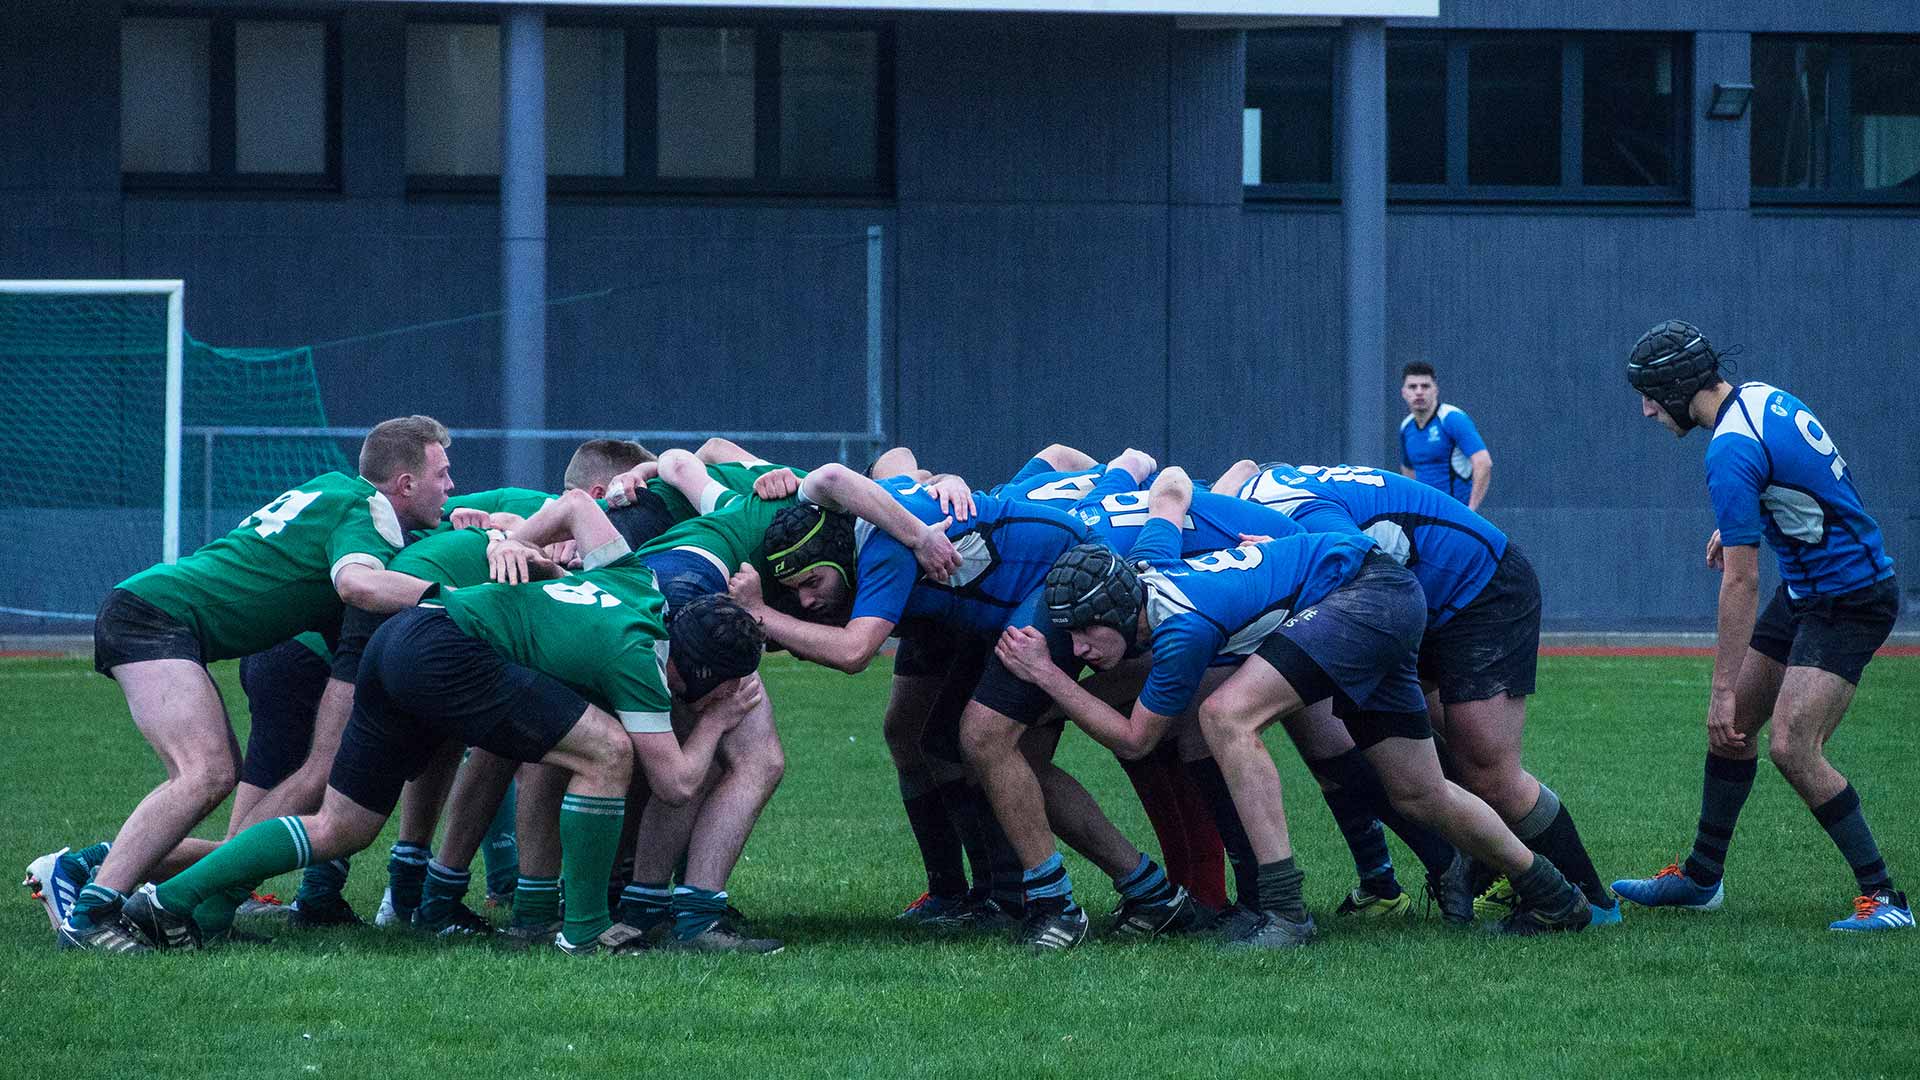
(711, 495)
(646, 722)
(613, 549)
(353, 558)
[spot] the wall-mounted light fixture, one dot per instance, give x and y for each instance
(1729, 101)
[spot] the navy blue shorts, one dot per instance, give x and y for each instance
(356, 629)
(1359, 646)
(128, 630)
(956, 662)
(684, 575)
(283, 686)
(1838, 634)
(1491, 646)
(423, 682)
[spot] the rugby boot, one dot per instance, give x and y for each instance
(616, 940)
(1049, 929)
(1363, 904)
(1138, 920)
(1497, 902)
(1273, 930)
(55, 880)
(161, 928)
(1571, 917)
(1884, 910)
(1672, 888)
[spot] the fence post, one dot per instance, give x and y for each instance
(876, 316)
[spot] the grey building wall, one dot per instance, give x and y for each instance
(1069, 257)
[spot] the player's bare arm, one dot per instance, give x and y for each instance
(574, 516)
(674, 770)
(1023, 650)
(1065, 458)
(1739, 603)
(1482, 462)
(380, 591)
(848, 648)
(836, 487)
(718, 451)
(1236, 477)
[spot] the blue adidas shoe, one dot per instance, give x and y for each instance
(1884, 910)
(1672, 888)
(56, 879)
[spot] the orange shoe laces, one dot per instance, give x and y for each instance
(1863, 906)
(924, 897)
(1672, 870)
(266, 898)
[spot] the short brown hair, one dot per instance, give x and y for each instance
(1418, 367)
(400, 445)
(600, 460)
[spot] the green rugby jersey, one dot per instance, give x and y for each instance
(602, 632)
(455, 557)
(314, 643)
(733, 532)
(272, 577)
(525, 502)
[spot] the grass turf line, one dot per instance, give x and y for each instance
(1759, 989)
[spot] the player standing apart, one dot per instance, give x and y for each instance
(1773, 472)
(1438, 443)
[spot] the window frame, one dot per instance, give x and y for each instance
(642, 103)
(1840, 138)
(223, 123)
(1571, 189)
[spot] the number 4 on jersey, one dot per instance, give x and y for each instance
(274, 516)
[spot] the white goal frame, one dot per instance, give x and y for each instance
(175, 291)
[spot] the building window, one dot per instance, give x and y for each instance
(1287, 128)
(1836, 120)
(697, 109)
(217, 101)
(1480, 116)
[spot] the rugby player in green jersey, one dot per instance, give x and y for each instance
(691, 561)
(550, 672)
(289, 567)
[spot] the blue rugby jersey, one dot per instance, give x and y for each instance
(1773, 471)
(1116, 509)
(1039, 482)
(1225, 603)
(1006, 549)
(1440, 453)
(1450, 549)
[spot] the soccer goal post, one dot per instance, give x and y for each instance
(70, 318)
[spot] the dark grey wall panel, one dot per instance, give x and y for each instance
(1209, 88)
(59, 97)
(1255, 361)
(1032, 108)
(1021, 326)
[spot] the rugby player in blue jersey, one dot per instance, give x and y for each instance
(1315, 616)
(1480, 650)
(1439, 444)
(1006, 549)
(1774, 473)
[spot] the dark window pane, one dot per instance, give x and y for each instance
(1790, 135)
(586, 101)
(1416, 111)
(706, 102)
(280, 97)
(1513, 111)
(1628, 111)
(164, 75)
(1886, 115)
(828, 111)
(453, 99)
(1289, 115)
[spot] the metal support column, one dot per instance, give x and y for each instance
(1363, 212)
(523, 239)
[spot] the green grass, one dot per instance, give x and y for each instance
(1759, 989)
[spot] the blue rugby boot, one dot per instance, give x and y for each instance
(1672, 888)
(1884, 910)
(56, 878)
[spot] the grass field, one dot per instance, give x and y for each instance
(1758, 989)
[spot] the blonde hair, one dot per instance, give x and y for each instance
(598, 461)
